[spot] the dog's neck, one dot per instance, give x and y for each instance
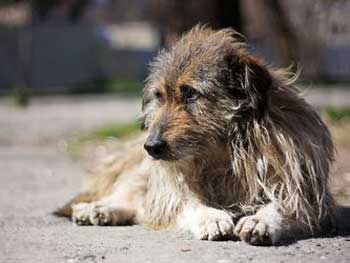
(205, 178)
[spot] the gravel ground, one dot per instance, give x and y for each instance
(36, 177)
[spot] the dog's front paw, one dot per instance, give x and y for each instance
(214, 225)
(255, 231)
(81, 214)
(102, 215)
(92, 214)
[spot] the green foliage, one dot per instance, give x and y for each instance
(338, 113)
(75, 146)
(125, 85)
(21, 96)
(121, 86)
(115, 130)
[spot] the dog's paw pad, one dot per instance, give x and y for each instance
(215, 225)
(81, 214)
(254, 231)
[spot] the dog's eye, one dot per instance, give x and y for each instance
(189, 94)
(158, 95)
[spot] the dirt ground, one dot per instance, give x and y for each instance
(36, 176)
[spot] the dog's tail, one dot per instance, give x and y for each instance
(66, 210)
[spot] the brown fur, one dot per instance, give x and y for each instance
(239, 138)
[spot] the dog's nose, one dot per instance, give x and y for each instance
(155, 147)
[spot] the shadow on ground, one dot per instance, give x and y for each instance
(343, 222)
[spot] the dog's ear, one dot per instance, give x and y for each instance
(250, 84)
(258, 76)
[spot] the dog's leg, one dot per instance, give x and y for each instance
(122, 206)
(116, 209)
(104, 212)
(206, 223)
(263, 228)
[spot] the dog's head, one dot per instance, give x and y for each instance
(198, 91)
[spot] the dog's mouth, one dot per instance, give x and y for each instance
(163, 157)
(168, 158)
(173, 154)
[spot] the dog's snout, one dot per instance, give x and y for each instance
(155, 147)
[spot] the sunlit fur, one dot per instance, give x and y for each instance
(249, 140)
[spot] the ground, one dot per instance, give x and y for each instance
(36, 176)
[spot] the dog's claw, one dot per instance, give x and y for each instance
(215, 225)
(253, 231)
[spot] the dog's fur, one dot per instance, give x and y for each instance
(245, 154)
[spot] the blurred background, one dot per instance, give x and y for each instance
(59, 46)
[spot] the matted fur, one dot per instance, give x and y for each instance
(245, 142)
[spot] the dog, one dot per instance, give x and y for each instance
(230, 148)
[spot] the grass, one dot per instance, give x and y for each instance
(21, 96)
(121, 86)
(116, 130)
(338, 113)
(101, 134)
(338, 121)
(125, 85)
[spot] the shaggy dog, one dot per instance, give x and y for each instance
(230, 148)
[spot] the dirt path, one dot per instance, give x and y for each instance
(35, 177)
